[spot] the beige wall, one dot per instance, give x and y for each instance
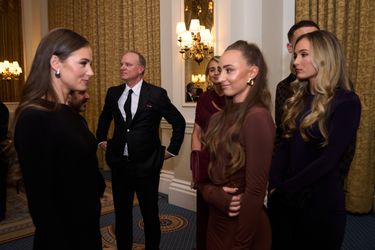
(34, 27)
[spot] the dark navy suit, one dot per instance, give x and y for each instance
(139, 171)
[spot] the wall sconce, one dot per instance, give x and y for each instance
(195, 43)
(10, 71)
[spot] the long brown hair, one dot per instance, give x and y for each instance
(329, 61)
(60, 42)
(223, 134)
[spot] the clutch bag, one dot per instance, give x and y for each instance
(199, 160)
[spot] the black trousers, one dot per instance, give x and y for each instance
(125, 184)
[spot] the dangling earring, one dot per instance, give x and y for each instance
(250, 82)
(57, 73)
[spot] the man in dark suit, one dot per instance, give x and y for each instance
(4, 119)
(189, 93)
(134, 153)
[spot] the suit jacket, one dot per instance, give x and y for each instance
(142, 136)
(283, 92)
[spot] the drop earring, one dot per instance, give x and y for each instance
(57, 73)
(250, 82)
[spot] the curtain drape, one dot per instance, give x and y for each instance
(112, 27)
(353, 23)
(11, 47)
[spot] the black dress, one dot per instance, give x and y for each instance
(307, 208)
(57, 154)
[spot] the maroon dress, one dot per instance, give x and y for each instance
(208, 104)
(251, 228)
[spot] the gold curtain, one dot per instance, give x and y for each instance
(112, 27)
(11, 48)
(353, 23)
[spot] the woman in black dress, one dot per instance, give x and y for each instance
(320, 121)
(57, 152)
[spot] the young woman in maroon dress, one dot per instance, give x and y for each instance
(240, 140)
(208, 104)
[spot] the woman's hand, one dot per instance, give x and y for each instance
(235, 204)
(103, 145)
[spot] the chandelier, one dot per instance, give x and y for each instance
(195, 43)
(10, 70)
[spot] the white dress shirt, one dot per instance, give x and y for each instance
(134, 105)
(135, 99)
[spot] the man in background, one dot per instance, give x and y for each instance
(190, 92)
(283, 90)
(134, 153)
(77, 100)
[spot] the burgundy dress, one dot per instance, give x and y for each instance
(205, 109)
(251, 228)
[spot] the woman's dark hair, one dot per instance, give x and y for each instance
(301, 24)
(60, 42)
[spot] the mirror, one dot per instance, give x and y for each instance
(11, 48)
(195, 80)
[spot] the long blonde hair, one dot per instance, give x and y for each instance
(329, 61)
(223, 134)
(209, 83)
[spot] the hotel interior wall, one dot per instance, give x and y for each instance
(264, 22)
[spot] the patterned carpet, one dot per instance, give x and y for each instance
(177, 225)
(169, 223)
(18, 222)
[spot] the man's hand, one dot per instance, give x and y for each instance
(235, 204)
(167, 155)
(103, 145)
